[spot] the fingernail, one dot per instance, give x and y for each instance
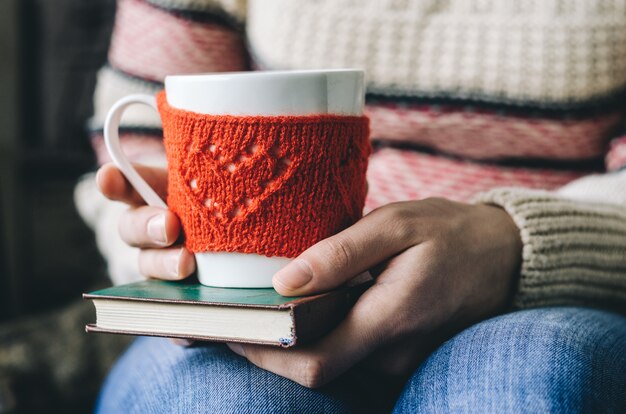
(182, 342)
(186, 264)
(237, 348)
(293, 276)
(98, 177)
(156, 229)
(172, 263)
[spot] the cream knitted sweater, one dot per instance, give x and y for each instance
(554, 55)
(548, 52)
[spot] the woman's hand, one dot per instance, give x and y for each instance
(154, 230)
(443, 265)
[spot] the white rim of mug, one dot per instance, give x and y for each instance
(260, 74)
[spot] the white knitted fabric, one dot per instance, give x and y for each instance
(112, 85)
(102, 215)
(234, 8)
(551, 52)
(599, 188)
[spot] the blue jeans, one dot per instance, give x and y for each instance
(553, 360)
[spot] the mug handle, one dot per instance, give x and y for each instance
(112, 141)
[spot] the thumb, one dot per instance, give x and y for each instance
(337, 259)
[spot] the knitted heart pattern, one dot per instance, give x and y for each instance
(270, 185)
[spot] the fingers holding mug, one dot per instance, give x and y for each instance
(152, 228)
(171, 263)
(115, 186)
(149, 227)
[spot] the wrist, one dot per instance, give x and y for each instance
(507, 257)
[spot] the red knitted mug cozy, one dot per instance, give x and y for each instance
(271, 185)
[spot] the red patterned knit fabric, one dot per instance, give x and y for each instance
(398, 175)
(491, 134)
(178, 46)
(267, 185)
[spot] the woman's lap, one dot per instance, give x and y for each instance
(556, 360)
(544, 360)
(156, 376)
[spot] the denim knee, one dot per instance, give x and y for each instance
(557, 360)
(155, 376)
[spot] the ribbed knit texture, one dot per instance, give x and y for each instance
(556, 53)
(271, 185)
(574, 252)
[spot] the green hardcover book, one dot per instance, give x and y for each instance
(193, 311)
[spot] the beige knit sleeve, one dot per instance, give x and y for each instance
(574, 251)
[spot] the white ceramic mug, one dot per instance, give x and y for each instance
(308, 92)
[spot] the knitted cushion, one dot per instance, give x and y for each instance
(270, 185)
(179, 46)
